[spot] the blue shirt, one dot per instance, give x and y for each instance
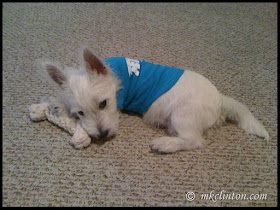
(142, 82)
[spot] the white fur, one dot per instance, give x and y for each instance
(190, 108)
(187, 110)
(84, 92)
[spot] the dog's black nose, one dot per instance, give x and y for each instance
(103, 134)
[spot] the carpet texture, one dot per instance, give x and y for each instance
(232, 44)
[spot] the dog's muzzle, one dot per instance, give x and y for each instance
(103, 134)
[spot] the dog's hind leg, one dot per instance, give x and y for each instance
(189, 136)
(168, 144)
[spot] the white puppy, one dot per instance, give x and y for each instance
(184, 102)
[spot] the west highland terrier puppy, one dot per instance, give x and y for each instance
(184, 102)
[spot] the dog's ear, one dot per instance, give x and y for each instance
(55, 73)
(93, 63)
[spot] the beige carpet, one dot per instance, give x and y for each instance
(234, 45)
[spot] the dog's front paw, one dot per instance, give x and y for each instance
(80, 138)
(165, 145)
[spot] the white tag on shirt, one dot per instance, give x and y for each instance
(133, 66)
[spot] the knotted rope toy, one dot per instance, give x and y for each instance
(50, 109)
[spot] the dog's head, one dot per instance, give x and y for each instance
(89, 94)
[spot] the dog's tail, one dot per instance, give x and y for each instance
(239, 113)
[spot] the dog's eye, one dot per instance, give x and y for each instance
(81, 113)
(102, 104)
